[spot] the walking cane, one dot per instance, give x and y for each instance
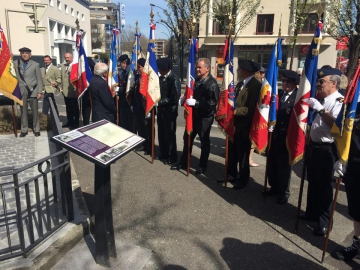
(267, 165)
(117, 110)
(226, 160)
(338, 181)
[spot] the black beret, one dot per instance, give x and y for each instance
(163, 63)
(141, 61)
(123, 58)
(24, 49)
(249, 65)
(289, 74)
(262, 70)
(322, 72)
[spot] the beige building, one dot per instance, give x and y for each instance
(160, 48)
(59, 19)
(255, 42)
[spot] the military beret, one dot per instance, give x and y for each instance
(123, 58)
(24, 49)
(141, 61)
(323, 72)
(105, 60)
(163, 63)
(289, 74)
(249, 65)
(262, 70)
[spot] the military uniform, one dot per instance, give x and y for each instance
(29, 76)
(70, 97)
(50, 74)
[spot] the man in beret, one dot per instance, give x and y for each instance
(322, 152)
(167, 111)
(31, 86)
(70, 94)
(204, 102)
(125, 114)
(279, 169)
(247, 93)
(138, 104)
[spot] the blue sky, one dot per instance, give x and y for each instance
(140, 10)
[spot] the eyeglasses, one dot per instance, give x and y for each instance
(321, 81)
(287, 80)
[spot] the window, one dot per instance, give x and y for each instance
(51, 3)
(310, 24)
(77, 15)
(83, 17)
(66, 9)
(221, 28)
(60, 27)
(52, 26)
(72, 12)
(265, 24)
(59, 4)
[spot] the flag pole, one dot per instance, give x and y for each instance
(153, 109)
(135, 73)
(80, 106)
(270, 133)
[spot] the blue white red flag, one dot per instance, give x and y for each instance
(150, 85)
(113, 72)
(190, 84)
(265, 112)
(226, 104)
(344, 123)
(135, 52)
(301, 117)
(80, 74)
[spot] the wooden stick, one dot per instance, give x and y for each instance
(226, 160)
(267, 164)
(152, 134)
(338, 180)
(80, 111)
(188, 156)
(14, 119)
(117, 110)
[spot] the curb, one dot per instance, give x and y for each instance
(67, 237)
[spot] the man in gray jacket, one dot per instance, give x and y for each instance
(31, 85)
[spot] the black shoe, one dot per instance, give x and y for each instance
(170, 161)
(67, 125)
(200, 170)
(307, 218)
(320, 231)
(349, 253)
(240, 185)
(140, 148)
(271, 192)
(178, 167)
(22, 135)
(230, 179)
(282, 200)
(37, 134)
(146, 153)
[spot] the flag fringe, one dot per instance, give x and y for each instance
(224, 132)
(12, 97)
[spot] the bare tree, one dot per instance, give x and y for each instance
(241, 13)
(128, 38)
(299, 12)
(344, 20)
(97, 36)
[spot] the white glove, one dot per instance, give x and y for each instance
(116, 88)
(190, 102)
(148, 115)
(271, 128)
(314, 104)
(182, 101)
(340, 168)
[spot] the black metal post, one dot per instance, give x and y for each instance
(104, 229)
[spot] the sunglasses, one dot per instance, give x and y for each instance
(287, 80)
(321, 81)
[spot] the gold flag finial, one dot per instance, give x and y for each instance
(279, 35)
(77, 24)
(319, 11)
(136, 27)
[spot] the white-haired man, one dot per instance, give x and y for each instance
(103, 106)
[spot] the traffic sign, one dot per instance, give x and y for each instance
(37, 9)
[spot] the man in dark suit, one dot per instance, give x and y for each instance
(167, 112)
(31, 85)
(204, 102)
(101, 97)
(246, 99)
(279, 169)
(86, 103)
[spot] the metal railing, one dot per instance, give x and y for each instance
(32, 208)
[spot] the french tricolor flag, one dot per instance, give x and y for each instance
(80, 74)
(150, 85)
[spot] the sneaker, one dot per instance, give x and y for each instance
(349, 253)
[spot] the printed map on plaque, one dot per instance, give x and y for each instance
(101, 142)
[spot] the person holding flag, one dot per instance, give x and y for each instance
(203, 104)
(246, 99)
(322, 150)
(279, 169)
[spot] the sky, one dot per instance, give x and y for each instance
(140, 10)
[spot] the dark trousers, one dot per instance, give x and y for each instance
(320, 162)
(279, 169)
(232, 161)
(143, 127)
(167, 135)
(242, 145)
(202, 128)
(72, 111)
(46, 103)
(86, 109)
(125, 115)
(352, 185)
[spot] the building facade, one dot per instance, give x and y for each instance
(256, 40)
(59, 20)
(160, 48)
